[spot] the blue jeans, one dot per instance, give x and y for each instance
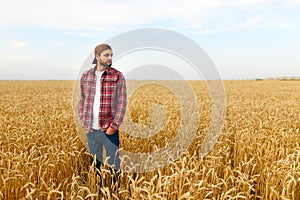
(97, 140)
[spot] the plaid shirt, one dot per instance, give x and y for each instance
(112, 98)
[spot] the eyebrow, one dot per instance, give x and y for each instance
(109, 54)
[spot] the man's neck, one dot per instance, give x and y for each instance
(101, 68)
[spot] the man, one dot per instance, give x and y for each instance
(102, 106)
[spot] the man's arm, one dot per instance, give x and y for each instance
(121, 99)
(81, 101)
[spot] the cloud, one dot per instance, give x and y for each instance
(253, 22)
(58, 43)
(88, 18)
(19, 44)
(292, 3)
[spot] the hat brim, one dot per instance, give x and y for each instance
(94, 61)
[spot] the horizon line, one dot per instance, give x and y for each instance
(258, 78)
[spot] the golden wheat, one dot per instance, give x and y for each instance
(256, 157)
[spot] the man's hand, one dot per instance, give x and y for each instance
(88, 131)
(110, 131)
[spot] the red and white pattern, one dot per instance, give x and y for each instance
(112, 99)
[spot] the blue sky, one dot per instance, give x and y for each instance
(246, 39)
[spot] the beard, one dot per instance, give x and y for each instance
(105, 64)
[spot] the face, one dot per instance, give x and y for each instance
(105, 58)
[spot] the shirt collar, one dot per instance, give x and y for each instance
(107, 71)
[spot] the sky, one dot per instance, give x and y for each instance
(245, 39)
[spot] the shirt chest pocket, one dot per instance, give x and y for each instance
(88, 87)
(109, 84)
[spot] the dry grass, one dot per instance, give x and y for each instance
(257, 155)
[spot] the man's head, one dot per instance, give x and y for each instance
(103, 55)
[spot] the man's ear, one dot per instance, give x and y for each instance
(97, 57)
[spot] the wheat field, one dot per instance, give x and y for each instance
(256, 156)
